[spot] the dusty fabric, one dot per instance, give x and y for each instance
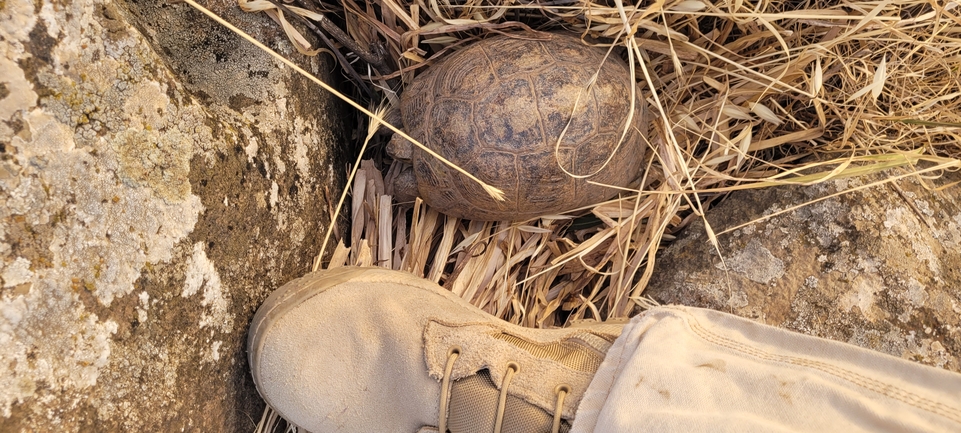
(688, 369)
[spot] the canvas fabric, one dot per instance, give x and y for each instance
(680, 369)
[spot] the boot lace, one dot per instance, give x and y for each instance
(561, 392)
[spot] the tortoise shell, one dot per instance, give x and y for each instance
(497, 108)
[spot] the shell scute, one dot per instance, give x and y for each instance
(451, 128)
(563, 98)
(471, 79)
(506, 119)
(517, 56)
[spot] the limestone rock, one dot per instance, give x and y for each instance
(158, 177)
(878, 268)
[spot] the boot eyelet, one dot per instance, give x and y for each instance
(514, 366)
(565, 388)
(454, 350)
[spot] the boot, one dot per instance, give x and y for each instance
(373, 350)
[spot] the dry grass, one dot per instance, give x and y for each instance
(747, 95)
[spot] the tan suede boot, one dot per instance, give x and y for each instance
(373, 350)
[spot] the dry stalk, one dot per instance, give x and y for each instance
(745, 95)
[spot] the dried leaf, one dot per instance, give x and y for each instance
(880, 76)
(818, 79)
(765, 113)
(689, 6)
(736, 112)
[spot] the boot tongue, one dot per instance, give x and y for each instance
(473, 408)
(582, 351)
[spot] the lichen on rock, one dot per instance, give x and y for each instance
(131, 249)
(876, 267)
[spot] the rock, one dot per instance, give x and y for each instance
(879, 268)
(158, 178)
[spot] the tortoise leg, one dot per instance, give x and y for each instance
(400, 149)
(401, 182)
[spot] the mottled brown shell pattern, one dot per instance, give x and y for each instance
(496, 109)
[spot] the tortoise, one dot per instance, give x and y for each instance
(497, 108)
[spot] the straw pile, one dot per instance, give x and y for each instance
(746, 94)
